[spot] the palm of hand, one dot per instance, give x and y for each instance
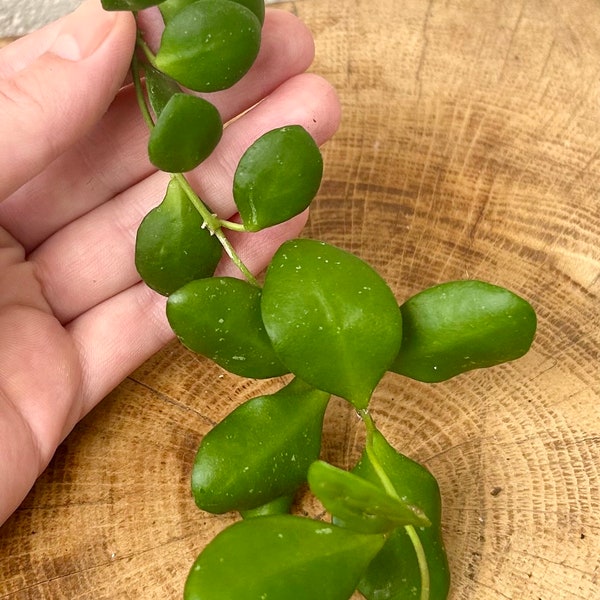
(74, 317)
(40, 371)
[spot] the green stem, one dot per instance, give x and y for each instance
(150, 56)
(421, 559)
(214, 225)
(139, 92)
(391, 490)
(233, 226)
(211, 221)
(235, 258)
(385, 481)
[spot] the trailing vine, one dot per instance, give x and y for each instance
(322, 316)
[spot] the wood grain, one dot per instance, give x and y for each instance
(469, 148)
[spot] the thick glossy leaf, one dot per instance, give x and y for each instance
(171, 246)
(394, 572)
(220, 318)
(160, 88)
(128, 4)
(209, 45)
(186, 132)
(359, 504)
(281, 558)
(170, 8)
(260, 451)
(462, 325)
(277, 177)
(332, 319)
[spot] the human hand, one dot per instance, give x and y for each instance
(74, 317)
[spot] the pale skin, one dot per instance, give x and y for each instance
(75, 182)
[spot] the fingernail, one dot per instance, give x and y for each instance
(83, 31)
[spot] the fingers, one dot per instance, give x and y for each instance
(87, 54)
(40, 377)
(93, 258)
(115, 337)
(114, 154)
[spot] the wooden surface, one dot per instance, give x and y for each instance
(469, 148)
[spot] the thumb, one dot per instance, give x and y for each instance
(55, 84)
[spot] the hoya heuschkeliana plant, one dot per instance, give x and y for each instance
(322, 317)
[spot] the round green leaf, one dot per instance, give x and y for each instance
(277, 177)
(394, 573)
(462, 325)
(209, 45)
(172, 248)
(332, 319)
(359, 504)
(170, 8)
(260, 451)
(186, 132)
(281, 557)
(220, 318)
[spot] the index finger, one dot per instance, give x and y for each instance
(113, 156)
